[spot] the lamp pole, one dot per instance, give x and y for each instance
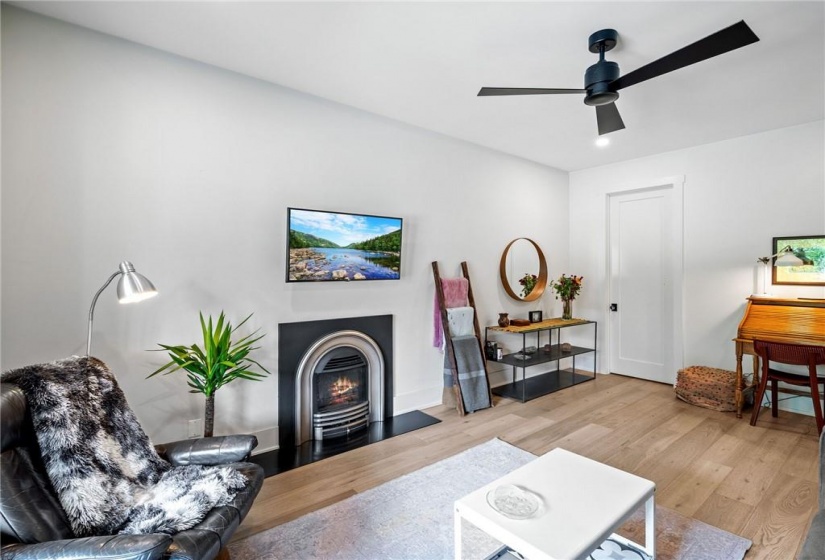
(92, 311)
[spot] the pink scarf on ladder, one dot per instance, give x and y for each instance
(456, 292)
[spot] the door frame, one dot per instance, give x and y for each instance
(676, 183)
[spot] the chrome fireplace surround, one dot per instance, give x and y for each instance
(344, 350)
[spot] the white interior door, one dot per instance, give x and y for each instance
(645, 264)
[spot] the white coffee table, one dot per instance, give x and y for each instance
(583, 503)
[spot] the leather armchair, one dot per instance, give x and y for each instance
(33, 525)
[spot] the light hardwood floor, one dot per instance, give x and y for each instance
(759, 482)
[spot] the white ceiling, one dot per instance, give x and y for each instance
(423, 63)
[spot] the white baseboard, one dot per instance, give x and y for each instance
(425, 398)
(267, 440)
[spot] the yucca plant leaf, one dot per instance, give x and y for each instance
(195, 381)
(209, 343)
(251, 375)
(171, 366)
(248, 339)
(205, 330)
(224, 342)
(259, 365)
(239, 325)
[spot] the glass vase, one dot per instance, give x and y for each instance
(567, 309)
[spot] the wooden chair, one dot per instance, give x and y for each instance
(793, 354)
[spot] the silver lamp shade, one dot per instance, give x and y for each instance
(131, 288)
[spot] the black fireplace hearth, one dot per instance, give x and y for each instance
(339, 382)
(291, 456)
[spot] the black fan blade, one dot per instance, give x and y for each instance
(728, 39)
(608, 118)
(524, 91)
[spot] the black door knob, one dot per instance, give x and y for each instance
(614, 307)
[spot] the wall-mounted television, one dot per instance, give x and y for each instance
(327, 246)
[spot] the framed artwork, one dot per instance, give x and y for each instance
(535, 316)
(809, 248)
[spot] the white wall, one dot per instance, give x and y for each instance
(738, 195)
(114, 151)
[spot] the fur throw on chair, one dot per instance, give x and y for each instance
(106, 473)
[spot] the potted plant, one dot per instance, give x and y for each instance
(567, 288)
(220, 361)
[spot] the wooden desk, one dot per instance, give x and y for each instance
(796, 321)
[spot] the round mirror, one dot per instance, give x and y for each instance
(523, 257)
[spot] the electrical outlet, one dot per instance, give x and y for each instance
(194, 428)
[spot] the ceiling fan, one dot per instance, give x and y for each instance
(602, 81)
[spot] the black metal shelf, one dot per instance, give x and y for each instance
(540, 385)
(543, 383)
(542, 356)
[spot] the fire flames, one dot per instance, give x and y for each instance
(343, 389)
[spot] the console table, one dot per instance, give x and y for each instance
(528, 388)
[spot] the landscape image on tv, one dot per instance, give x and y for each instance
(341, 246)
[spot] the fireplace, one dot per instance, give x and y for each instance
(361, 346)
(334, 378)
(339, 386)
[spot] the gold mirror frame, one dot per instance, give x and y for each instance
(541, 283)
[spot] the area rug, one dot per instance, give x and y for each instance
(411, 518)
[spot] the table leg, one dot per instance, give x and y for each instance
(650, 526)
(457, 547)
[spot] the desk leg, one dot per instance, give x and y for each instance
(457, 547)
(740, 381)
(650, 526)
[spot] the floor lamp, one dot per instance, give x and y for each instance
(132, 287)
(785, 257)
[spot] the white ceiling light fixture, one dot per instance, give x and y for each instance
(602, 141)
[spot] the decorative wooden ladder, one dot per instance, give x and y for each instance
(448, 341)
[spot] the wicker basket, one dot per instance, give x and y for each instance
(707, 387)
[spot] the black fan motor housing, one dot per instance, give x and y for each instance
(598, 77)
(597, 81)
